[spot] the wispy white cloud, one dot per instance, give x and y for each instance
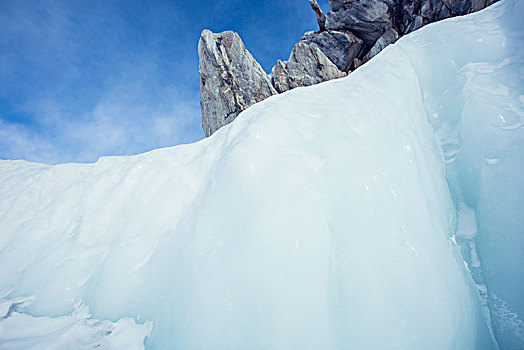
(21, 142)
(81, 79)
(88, 91)
(115, 126)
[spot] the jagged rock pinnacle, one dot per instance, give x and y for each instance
(230, 79)
(321, 17)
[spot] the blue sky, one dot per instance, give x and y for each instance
(83, 79)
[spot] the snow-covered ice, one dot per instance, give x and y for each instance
(74, 331)
(322, 218)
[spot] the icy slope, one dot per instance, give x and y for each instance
(74, 331)
(475, 103)
(320, 219)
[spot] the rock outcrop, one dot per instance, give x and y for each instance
(340, 47)
(306, 66)
(350, 35)
(388, 37)
(321, 17)
(230, 79)
(367, 19)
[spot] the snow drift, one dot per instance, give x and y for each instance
(322, 218)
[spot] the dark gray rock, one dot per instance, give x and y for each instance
(321, 17)
(389, 37)
(477, 5)
(306, 66)
(412, 15)
(368, 19)
(231, 80)
(338, 4)
(444, 11)
(427, 10)
(340, 47)
(416, 24)
(461, 7)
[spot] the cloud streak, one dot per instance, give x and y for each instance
(83, 79)
(118, 124)
(81, 85)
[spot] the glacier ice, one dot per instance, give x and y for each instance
(477, 111)
(74, 331)
(381, 210)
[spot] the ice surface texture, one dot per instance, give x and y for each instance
(322, 218)
(74, 331)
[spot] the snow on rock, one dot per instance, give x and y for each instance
(321, 218)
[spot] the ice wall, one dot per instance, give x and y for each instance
(321, 218)
(475, 103)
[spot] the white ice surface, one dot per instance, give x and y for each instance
(321, 218)
(74, 331)
(476, 91)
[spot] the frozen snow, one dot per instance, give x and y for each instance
(322, 218)
(74, 331)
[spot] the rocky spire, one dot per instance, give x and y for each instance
(230, 79)
(321, 17)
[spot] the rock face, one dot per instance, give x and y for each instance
(340, 47)
(368, 19)
(306, 66)
(477, 5)
(388, 37)
(230, 79)
(351, 34)
(321, 17)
